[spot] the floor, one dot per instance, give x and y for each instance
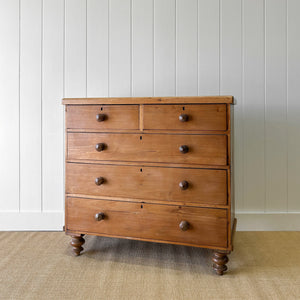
(39, 265)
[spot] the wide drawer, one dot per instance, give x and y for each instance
(187, 186)
(203, 226)
(102, 117)
(165, 148)
(185, 117)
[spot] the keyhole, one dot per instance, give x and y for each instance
(141, 206)
(141, 170)
(101, 108)
(183, 108)
(141, 137)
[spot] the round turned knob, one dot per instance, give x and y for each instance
(100, 147)
(184, 149)
(183, 118)
(99, 180)
(101, 117)
(184, 225)
(99, 216)
(183, 184)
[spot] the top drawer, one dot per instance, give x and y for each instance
(102, 117)
(185, 117)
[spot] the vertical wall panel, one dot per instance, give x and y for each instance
(142, 48)
(75, 48)
(164, 48)
(97, 48)
(187, 48)
(231, 83)
(30, 105)
(254, 101)
(52, 110)
(9, 97)
(120, 48)
(208, 47)
(293, 46)
(276, 127)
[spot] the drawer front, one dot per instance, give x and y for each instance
(103, 117)
(187, 186)
(165, 148)
(185, 117)
(203, 226)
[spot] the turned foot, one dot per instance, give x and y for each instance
(220, 260)
(76, 242)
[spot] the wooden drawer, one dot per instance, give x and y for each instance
(185, 117)
(152, 183)
(149, 221)
(203, 149)
(109, 117)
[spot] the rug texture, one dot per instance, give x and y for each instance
(39, 265)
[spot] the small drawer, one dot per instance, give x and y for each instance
(182, 185)
(189, 225)
(185, 117)
(164, 148)
(102, 117)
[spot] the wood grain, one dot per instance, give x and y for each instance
(149, 221)
(200, 117)
(165, 131)
(153, 164)
(150, 100)
(203, 149)
(136, 182)
(116, 117)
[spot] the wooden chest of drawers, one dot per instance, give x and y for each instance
(152, 169)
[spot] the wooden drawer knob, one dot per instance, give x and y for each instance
(184, 225)
(183, 184)
(101, 117)
(99, 180)
(100, 147)
(99, 216)
(183, 118)
(184, 149)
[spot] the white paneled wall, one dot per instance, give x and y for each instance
(50, 49)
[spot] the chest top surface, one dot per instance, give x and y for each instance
(151, 100)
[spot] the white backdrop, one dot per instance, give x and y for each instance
(51, 49)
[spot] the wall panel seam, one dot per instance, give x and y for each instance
(19, 112)
(287, 108)
(176, 22)
(42, 125)
(131, 49)
(220, 45)
(243, 101)
(265, 98)
(197, 47)
(86, 48)
(63, 92)
(153, 47)
(108, 47)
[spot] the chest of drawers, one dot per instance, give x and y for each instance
(151, 169)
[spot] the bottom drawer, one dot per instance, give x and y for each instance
(199, 226)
